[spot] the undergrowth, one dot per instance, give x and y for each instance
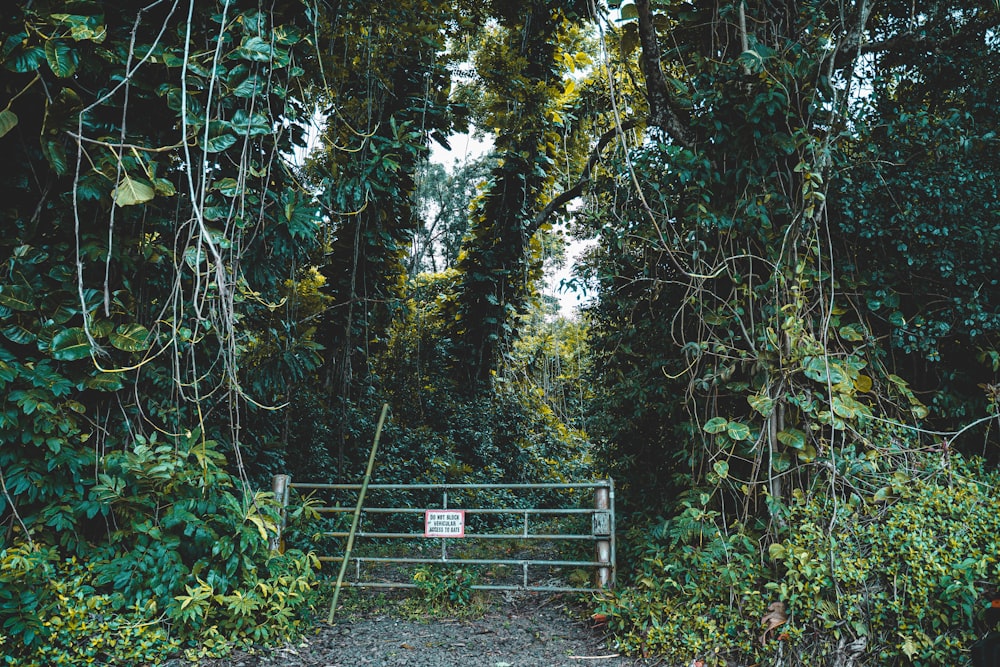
(189, 570)
(903, 580)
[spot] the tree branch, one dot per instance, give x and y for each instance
(572, 193)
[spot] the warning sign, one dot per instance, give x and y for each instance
(444, 523)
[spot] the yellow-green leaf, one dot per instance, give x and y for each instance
(130, 337)
(738, 431)
(132, 191)
(16, 297)
(850, 333)
(257, 521)
(716, 425)
(8, 121)
(762, 404)
(62, 58)
(792, 437)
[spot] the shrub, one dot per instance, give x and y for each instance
(188, 566)
(904, 573)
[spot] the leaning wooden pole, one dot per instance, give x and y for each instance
(357, 513)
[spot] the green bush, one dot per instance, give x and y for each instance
(909, 572)
(697, 591)
(189, 566)
(64, 620)
(905, 572)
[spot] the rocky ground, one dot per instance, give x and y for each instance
(517, 631)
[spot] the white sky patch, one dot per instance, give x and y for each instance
(464, 147)
(570, 299)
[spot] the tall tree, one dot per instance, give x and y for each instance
(521, 91)
(727, 317)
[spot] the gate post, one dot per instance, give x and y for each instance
(602, 530)
(280, 485)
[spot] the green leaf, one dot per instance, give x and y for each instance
(62, 58)
(716, 425)
(761, 404)
(55, 154)
(70, 344)
(738, 431)
(230, 187)
(220, 143)
(850, 333)
(132, 191)
(721, 469)
(256, 49)
(15, 333)
(782, 463)
(822, 369)
(17, 297)
(130, 338)
(776, 551)
(883, 494)
(84, 27)
(629, 11)
(807, 454)
(8, 121)
(27, 60)
(252, 125)
(164, 187)
(792, 437)
(104, 382)
(842, 407)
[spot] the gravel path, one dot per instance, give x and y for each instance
(528, 631)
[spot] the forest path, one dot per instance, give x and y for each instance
(525, 630)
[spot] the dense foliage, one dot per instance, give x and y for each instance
(224, 249)
(150, 219)
(795, 302)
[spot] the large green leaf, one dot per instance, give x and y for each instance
(130, 337)
(220, 143)
(16, 297)
(104, 382)
(738, 431)
(762, 404)
(62, 58)
(132, 191)
(15, 333)
(245, 124)
(70, 344)
(24, 58)
(792, 437)
(716, 425)
(256, 49)
(8, 120)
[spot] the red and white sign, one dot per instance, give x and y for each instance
(444, 523)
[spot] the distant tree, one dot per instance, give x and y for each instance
(443, 198)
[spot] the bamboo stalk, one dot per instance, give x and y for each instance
(357, 513)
